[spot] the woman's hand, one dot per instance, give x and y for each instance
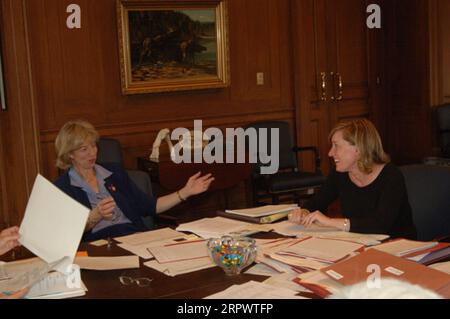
(105, 208)
(9, 239)
(317, 218)
(196, 184)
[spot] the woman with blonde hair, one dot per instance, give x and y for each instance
(116, 202)
(371, 190)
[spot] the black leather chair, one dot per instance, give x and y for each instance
(289, 179)
(428, 190)
(110, 152)
(443, 124)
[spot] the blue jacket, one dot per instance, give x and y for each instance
(131, 200)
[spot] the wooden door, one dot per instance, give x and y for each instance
(334, 71)
(312, 82)
(349, 60)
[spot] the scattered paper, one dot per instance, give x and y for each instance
(288, 228)
(149, 236)
(182, 251)
(181, 267)
(255, 290)
(285, 281)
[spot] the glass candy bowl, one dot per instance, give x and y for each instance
(232, 254)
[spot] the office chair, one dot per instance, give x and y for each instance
(110, 152)
(443, 124)
(288, 180)
(428, 190)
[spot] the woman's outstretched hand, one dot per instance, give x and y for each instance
(196, 184)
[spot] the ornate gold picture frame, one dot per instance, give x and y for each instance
(173, 45)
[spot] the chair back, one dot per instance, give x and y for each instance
(287, 156)
(443, 117)
(428, 190)
(109, 151)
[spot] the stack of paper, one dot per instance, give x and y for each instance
(180, 258)
(176, 268)
(54, 286)
(34, 273)
(255, 290)
(219, 226)
(322, 250)
(288, 228)
(403, 247)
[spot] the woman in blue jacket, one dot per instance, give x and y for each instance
(117, 204)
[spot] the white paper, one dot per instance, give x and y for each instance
(25, 273)
(288, 228)
(107, 263)
(445, 267)
(214, 227)
(143, 250)
(285, 281)
(183, 251)
(325, 250)
(149, 236)
(220, 226)
(255, 290)
(403, 247)
(181, 267)
(263, 210)
(54, 286)
(53, 223)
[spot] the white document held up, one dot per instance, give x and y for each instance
(53, 223)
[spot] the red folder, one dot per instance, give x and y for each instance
(354, 270)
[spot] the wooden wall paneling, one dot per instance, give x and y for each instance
(19, 125)
(349, 60)
(79, 69)
(409, 80)
(444, 41)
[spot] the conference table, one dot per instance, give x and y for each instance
(195, 285)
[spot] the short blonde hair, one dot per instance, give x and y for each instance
(363, 134)
(70, 137)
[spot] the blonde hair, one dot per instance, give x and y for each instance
(70, 137)
(363, 134)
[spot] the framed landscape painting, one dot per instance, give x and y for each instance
(172, 45)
